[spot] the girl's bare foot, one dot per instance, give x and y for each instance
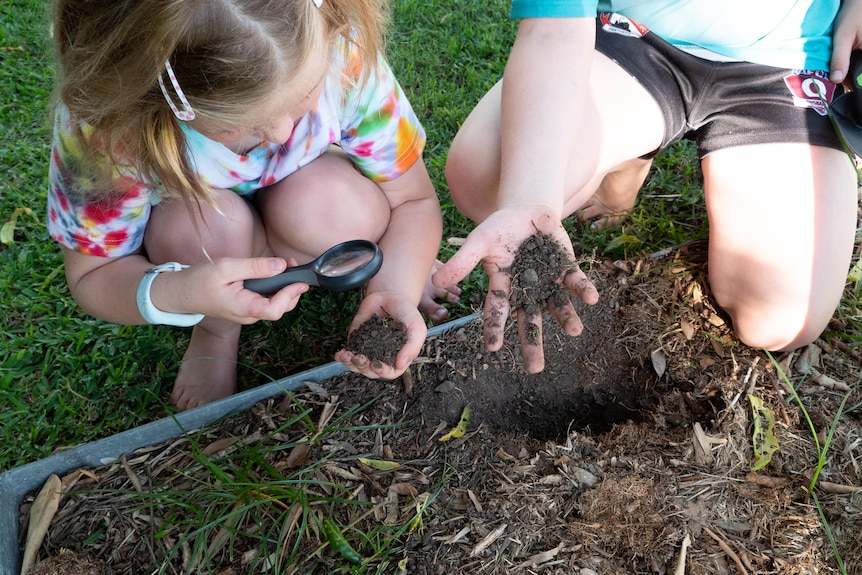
(208, 369)
(432, 294)
(616, 195)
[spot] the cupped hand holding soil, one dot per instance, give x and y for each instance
(543, 278)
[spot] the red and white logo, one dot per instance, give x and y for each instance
(619, 24)
(810, 89)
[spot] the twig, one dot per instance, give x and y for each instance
(680, 564)
(726, 548)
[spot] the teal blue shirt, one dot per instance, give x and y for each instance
(782, 33)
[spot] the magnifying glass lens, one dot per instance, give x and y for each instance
(346, 262)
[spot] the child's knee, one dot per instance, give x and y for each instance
(188, 234)
(472, 180)
(777, 328)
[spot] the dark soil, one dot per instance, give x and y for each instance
(378, 338)
(630, 453)
(540, 264)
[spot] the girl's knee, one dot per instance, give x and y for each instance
(230, 228)
(472, 178)
(303, 218)
(777, 328)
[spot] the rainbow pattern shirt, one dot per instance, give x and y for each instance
(372, 122)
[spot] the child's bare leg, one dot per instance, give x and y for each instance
(617, 193)
(208, 369)
(782, 220)
(325, 203)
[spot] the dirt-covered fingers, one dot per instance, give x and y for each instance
(566, 315)
(433, 297)
(357, 363)
(530, 336)
(577, 282)
(496, 311)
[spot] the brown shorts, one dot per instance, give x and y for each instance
(721, 104)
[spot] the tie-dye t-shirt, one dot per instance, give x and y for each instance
(372, 122)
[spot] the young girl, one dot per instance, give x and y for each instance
(202, 143)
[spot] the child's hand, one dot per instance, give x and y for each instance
(495, 242)
(392, 305)
(216, 290)
(846, 37)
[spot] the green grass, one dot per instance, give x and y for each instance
(66, 378)
(243, 502)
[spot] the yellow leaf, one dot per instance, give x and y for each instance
(379, 464)
(460, 429)
(763, 438)
(7, 232)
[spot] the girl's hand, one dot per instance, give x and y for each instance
(846, 37)
(216, 290)
(394, 306)
(495, 242)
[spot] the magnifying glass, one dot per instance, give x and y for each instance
(340, 268)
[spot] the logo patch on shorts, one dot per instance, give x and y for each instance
(810, 89)
(619, 24)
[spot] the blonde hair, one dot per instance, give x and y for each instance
(228, 55)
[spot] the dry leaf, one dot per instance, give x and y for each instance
(659, 361)
(298, 456)
(219, 445)
(702, 445)
(41, 514)
(404, 489)
(687, 329)
(827, 382)
(379, 464)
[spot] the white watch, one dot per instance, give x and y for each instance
(154, 315)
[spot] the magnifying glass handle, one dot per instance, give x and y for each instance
(299, 274)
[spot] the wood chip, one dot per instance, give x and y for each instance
(540, 558)
(488, 540)
(475, 500)
(680, 564)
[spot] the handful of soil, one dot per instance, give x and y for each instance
(378, 338)
(539, 262)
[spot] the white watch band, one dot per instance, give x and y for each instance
(154, 315)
